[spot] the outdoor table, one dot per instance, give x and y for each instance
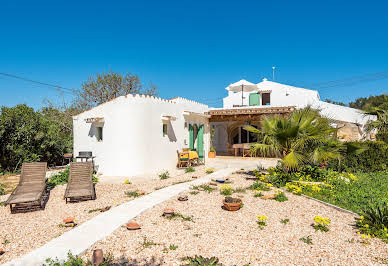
(243, 146)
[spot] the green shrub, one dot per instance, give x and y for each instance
(373, 159)
(190, 169)
(201, 261)
(59, 179)
(281, 197)
(259, 186)
(164, 175)
(77, 261)
(374, 221)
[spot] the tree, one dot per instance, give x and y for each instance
(381, 123)
(107, 86)
(364, 103)
(334, 102)
(26, 135)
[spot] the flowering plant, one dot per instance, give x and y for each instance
(321, 224)
(262, 221)
(226, 190)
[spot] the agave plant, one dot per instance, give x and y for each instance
(377, 216)
(202, 261)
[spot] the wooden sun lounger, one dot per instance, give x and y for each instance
(28, 195)
(80, 185)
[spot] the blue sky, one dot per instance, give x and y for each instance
(192, 49)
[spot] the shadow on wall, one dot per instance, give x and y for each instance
(92, 130)
(170, 132)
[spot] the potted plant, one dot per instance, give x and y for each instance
(212, 151)
(232, 204)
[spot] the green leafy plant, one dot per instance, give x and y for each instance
(146, 244)
(258, 193)
(306, 240)
(132, 194)
(164, 175)
(321, 224)
(77, 261)
(285, 221)
(209, 170)
(262, 221)
(259, 186)
(201, 261)
(204, 187)
(172, 247)
(374, 221)
(226, 190)
(194, 192)
(179, 215)
(2, 191)
(59, 179)
(190, 169)
(281, 197)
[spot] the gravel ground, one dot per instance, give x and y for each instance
(24, 232)
(234, 237)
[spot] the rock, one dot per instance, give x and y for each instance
(140, 192)
(1, 252)
(133, 226)
(220, 180)
(68, 220)
(213, 183)
(98, 257)
(107, 208)
(168, 212)
(183, 198)
(194, 177)
(269, 196)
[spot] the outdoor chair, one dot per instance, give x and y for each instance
(80, 185)
(183, 159)
(29, 193)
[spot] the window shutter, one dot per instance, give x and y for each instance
(254, 99)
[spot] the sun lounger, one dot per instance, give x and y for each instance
(80, 185)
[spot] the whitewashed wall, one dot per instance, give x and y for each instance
(133, 141)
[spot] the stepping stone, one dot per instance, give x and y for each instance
(68, 220)
(183, 198)
(107, 208)
(168, 212)
(269, 196)
(133, 226)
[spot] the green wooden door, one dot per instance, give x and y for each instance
(254, 99)
(200, 141)
(191, 136)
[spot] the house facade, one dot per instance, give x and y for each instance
(137, 134)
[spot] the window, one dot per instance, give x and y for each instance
(265, 98)
(99, 133)
(164, 130)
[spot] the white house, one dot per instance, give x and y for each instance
(136, 134)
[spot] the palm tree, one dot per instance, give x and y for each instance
(304, 136)
(381, 123)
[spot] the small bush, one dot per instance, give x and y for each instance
(201, 261)
(259, 186)
(374, 221)
(132, 194)
(306, 240)
(204, 187)
(226, 190)
(281, 197)
(262, 221)
(285, 221)
(59, 179)
(77, 261)
(321, 224)
(164, 175)
(190, 169)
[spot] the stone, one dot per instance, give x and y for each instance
(140, 192)
(194, 177)
(1, 252)
(269, 196)
(98, 257)
(133, 226)
(213, 183)
(68, 220)
(107, 208)
(183, 198)
(168, 212)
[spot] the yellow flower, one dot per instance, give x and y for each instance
(362, 217)
(126, 181)
(226, 187)
(366, 226)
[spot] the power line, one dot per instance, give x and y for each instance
(37, 82)
(350, 81)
